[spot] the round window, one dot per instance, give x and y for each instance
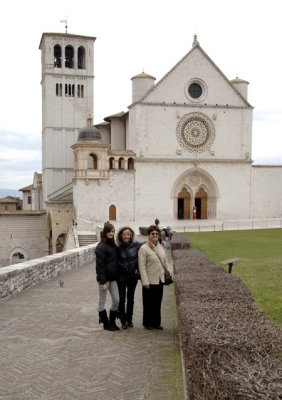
(195, 90)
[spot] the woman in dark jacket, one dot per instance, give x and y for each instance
(107, 270)
(128, 274)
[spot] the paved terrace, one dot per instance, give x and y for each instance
(52, 347)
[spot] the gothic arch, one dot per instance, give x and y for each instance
(193, 180)
(69, 56)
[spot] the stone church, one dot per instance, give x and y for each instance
(182, 151)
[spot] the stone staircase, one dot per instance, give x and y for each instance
(84, 239)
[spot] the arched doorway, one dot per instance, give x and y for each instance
(203, 191)
(60, 243)
(183, 205)
(112, 213)
(18, 255)
(201, 202)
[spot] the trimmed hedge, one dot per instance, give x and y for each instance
(230, 349)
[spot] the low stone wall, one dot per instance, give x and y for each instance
(15, 278)
(230, 349)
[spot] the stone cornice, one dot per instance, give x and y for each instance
(205, 106)
(121, 152)
(89, 144)
(267, 166)
(66, 37)
(194, 161)
(60, 75)
(23, 212)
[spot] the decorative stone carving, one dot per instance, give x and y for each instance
(194, 180)
(195, 132)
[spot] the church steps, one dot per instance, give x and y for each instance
(86, 239)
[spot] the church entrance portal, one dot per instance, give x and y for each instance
(201, 202)
(183, 210)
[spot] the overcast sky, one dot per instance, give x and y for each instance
(242, 37)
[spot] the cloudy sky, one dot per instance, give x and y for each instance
(242, 37)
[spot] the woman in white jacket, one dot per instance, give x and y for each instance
(152, 277)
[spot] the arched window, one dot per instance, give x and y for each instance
(112, 213)
(112, 163)
(81, 57)
(29, 200)
(69, 57)
(92, 161)
(130, 164)
(57, 56)
(121, 163)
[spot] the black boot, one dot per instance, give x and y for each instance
(113, 316)
(104, 319)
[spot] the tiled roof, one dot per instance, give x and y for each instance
(26, 188)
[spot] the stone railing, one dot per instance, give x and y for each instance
(15, 278)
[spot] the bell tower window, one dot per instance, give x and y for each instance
(57, 56)
(80, 91)
(69, 57)
(59, 89)
(81, 58)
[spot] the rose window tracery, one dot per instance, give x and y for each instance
(195, 132)
(194, 180)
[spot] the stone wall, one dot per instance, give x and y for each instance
(15, 278)
(23, 231)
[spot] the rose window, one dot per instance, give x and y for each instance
(195, 132)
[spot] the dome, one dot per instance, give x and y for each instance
(89, 132)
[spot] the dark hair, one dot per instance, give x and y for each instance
(153, 228)
(120, 232)
(107, 228)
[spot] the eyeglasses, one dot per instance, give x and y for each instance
(154, 233)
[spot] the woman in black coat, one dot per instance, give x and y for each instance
(128, 274)
(107, 271)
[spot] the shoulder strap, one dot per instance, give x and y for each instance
(153, 248)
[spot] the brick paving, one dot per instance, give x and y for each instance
(52, 347)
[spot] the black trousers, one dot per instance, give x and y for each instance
(152, 301)
(126, 287)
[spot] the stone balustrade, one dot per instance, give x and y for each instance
(17, 277)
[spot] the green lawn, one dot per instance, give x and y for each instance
(260, 267)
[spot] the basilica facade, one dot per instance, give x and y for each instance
(181, 151)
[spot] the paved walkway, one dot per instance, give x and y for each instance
(52, 347)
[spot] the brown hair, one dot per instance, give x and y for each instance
(153, 228)
(107, 228)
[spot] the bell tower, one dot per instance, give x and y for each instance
(67, 63)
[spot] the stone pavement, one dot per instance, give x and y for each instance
(52, 347)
